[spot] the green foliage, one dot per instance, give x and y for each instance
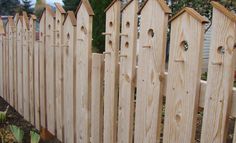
(18, 133)
(39, 6)
(71, 4)
(27, 6)
(9, 7)
(99, 24)
(3, 115)
(34, 137)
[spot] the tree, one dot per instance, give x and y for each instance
(71, 4)
(99, 24)
(27, 6)
(39, 6)
(9, 7)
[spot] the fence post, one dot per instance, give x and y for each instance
(25, 66)
(187, 35)
(42, 70)
(83, 53)
(220, 76)
(49, 61)
(69, 39)
(11, 28)
(32, 38)
(111, 71)
(97, 98)
(2, 32)
(60, 16)
(19, 47)
(127, 77)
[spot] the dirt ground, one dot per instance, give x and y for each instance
(14, 118)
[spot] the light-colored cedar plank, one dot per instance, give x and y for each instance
(49, 57)
(69, 39)
(183, 80)
(32, 26)
(97, 98)
(15, 93)
(127, 73)
(10, 61)
(42, 95)
(7, 64)
(83, 74)
(36, 85)
(25, 64)
(152, 66)
(3, 66)
(58, 72)
(111, 72)
(220, 79)
(19, 47)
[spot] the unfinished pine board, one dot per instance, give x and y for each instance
(25, 65)
(36, 85)
(19, 47)
(42, 71)
(7, 97)
(83, 71)
(3, 66)
(151, 69)
(69, 38)
(10, 59)
(32, 27)
(127, 72)
(49, 57)
(182, 94)
(60, 16)
(218, 98)
(111, 72)
(97, 79)
(2, 32)
(15, 65)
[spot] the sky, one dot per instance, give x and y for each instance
(49, 1)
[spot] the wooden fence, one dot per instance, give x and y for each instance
(57, 83)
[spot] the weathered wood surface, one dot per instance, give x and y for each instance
(2, 32)
(127, 72)
(220, 77)
(97, 79)
(184, 71)
(151, 69)
(111, 72)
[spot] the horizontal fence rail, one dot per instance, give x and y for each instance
(127, 94)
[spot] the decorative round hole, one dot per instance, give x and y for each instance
(58, 35)
(127, 24)
(235, 46)
(151, 33)
(126, 44)
(184, 45)
(110, 42)
(41, 33)
(68, 36)
(110, 24)
(221, 50)
(49, 26)
(58, 21)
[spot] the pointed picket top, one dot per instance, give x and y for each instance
(110, 5)
(87, 6)
(2, 30)
(49, 9)
(19, 19)
(127, 5)
(16, 17)
(26, 19)
(163, 5)
(33, 17)
(191, 12)
(10, 21)
(71, 15)
(224, 10)
(60, 8)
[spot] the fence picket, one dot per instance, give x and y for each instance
(220, 76)
(127, 72)
(97, 98)
(60, 16)
(2, 32)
